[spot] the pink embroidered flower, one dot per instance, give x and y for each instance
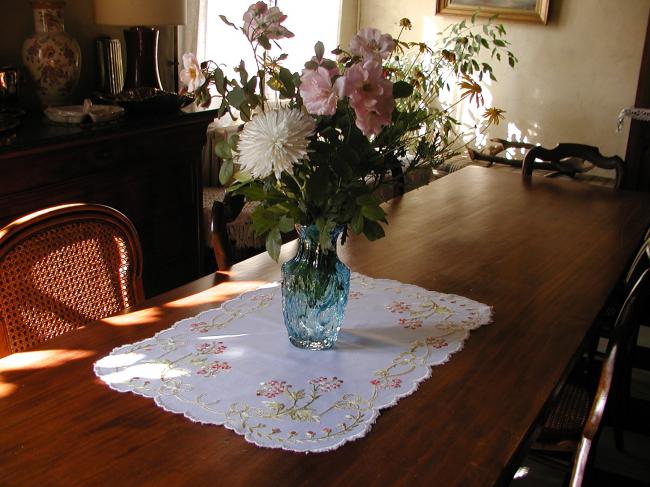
(214, 368)
(272, 388)
(262, 298)
(275, 431)
(325, 384)
(394, 384)
(191, 74)
(311, 434)
(411, 324)
(318, 94)
(354, 295)
(370, 43)
(211, 347)
(398, 307)
(371, 96)
(436, 342)
(201, 327)
(260, 20)
(327, 431)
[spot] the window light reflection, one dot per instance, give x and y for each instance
(150, 370)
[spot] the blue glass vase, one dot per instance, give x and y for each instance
(315, 285)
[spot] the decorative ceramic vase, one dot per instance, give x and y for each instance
(52, 57)
(315, 285)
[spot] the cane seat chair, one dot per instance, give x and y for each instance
(562, 160)
(575, 420)
(63, 267)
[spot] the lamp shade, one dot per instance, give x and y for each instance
(140, 12)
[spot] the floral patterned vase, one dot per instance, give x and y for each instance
(315, 287)
(52, 57)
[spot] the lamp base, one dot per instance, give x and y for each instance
(141, 58)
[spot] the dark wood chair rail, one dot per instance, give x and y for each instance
(544, 253)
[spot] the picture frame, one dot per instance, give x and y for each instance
(524, 10)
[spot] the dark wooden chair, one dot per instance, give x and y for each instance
(63, 267)
(224, 212)
(561, 160)
(575, 420)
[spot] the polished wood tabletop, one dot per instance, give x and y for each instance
(544, 253)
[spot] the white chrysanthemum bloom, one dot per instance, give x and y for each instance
(273, 141)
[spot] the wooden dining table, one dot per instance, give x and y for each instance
(544, 253)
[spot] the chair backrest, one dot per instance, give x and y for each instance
(63, 267)
(618, 358)
(641, 261)
(579, 151)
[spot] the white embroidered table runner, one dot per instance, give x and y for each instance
(234, 365)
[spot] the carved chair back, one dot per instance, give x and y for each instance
(588, 153)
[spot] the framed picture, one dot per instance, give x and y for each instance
(527, 10)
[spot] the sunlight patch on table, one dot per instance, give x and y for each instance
(221, 292)
(142, 317)
(40, 359)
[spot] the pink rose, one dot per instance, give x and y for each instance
(260, 20)
(318, 94)
(370, 43)
(371, 95)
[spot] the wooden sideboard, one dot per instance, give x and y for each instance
(147, 168)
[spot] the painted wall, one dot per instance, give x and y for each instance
(16, 24)
(574, 76)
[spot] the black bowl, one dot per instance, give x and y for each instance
(147, 101)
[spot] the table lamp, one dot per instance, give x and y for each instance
(142, 37)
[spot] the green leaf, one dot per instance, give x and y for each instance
(374, 212)
(273, 243)
(225, 171)
(325, 228)
(236, 97)
(226, 21)
(328, 64)
(233, 140)
(319, 49)
(318, 186)
(251, 85)
(499, 42)
(222, 150)
(243, 176)
(286, 224)
(402, 89)
(357, 222)
(253, 192)
(367, 199)
(373, 230)
(264, 42)
(243, 74)
(285, 76)
(219, 81)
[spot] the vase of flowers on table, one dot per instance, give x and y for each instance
(315, 158)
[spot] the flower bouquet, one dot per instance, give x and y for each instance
(314, 157)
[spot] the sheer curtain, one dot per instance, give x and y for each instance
(208, 37)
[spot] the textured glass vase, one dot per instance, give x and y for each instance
(315, 286)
